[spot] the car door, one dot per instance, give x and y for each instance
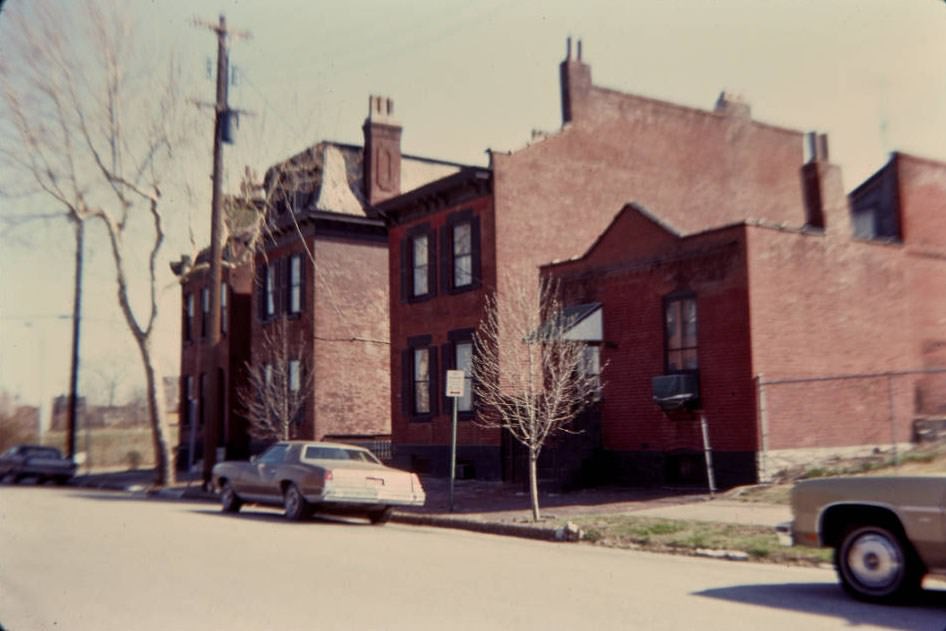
(265, 474)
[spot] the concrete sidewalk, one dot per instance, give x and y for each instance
(499, 508)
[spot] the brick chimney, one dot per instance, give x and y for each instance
(575, 78)
(382, 157)
(826, 204)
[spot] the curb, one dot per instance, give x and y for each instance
(507, 530)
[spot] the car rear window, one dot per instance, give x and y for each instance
(338, 453)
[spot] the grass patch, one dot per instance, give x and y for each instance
(759, 542)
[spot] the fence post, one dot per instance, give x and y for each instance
(893, 423)
(763, 458)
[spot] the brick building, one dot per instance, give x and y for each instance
(199, 362)
(481, 229)
(793, 339)
(322, 275)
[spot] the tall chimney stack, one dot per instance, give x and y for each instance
(826, 204)
(575, 76)
(382, 154)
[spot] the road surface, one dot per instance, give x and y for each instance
(74, 559)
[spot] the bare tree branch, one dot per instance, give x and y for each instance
(528, 377)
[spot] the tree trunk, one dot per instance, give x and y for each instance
(164, 463)
(534, 482)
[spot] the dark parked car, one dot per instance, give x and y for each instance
(305, 477)
(36, 461)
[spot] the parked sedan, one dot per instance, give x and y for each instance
(36, 461)
(305, 477)
(887, 532)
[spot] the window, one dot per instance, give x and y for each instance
(223, 308)
(268, 376)
(188, 317)
(420, 246)
(189, 401)
(421, 379)
(463, 360)
(295, 377)
(295, 284)
(270, 291)
(680, 330)
(462, 254)
(204, 311)
(591, 366)
(274, 455)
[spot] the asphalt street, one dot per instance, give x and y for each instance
(82, 559)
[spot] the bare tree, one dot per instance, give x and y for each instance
(85, 126)
(528, 377)
(278, 385)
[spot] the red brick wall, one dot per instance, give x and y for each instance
(344, 322)
(352, 381)
(436, 317)
(922, 185)
(824, 307)
(630, 287)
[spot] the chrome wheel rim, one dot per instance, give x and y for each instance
(292, 501)
(875, 561)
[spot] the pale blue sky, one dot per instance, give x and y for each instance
(467, 76)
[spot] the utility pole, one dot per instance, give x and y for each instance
(76, 320)
(222, 119)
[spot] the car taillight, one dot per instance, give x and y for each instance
(328, 476)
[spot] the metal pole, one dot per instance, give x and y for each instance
(893, 423)
(453, 451)
(708, 453)
(76, 319)
(763, 430)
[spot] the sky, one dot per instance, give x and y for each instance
(465, 76)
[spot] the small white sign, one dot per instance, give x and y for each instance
(456, 383)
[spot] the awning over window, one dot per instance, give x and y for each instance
(584, 323)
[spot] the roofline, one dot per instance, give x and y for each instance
(403, 201)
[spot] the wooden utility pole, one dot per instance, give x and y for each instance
(76, 320)
(221, 124)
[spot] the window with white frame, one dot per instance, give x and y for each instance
(295, 283)
(420, 245)
(270, 291)
(295, 376)
(463, 360)
(224, 320)
(421, 378)
(204, 311)
(188, 317)
(462, 254)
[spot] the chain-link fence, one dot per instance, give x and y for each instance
(808, 420)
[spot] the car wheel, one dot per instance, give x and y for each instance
(381, 516)
(296, 508)
(229, 500)
(874, 564)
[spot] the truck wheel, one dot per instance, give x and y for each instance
(296, 508)
(228, 499)
(381, 516)
(874, 564)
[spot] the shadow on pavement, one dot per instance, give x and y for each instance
(274, 516)
(927, 613)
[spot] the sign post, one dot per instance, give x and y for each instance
(455, 386)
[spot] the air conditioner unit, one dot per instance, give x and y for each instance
(672, 392)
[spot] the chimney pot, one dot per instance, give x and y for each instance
(568, 48)
(579, 50)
